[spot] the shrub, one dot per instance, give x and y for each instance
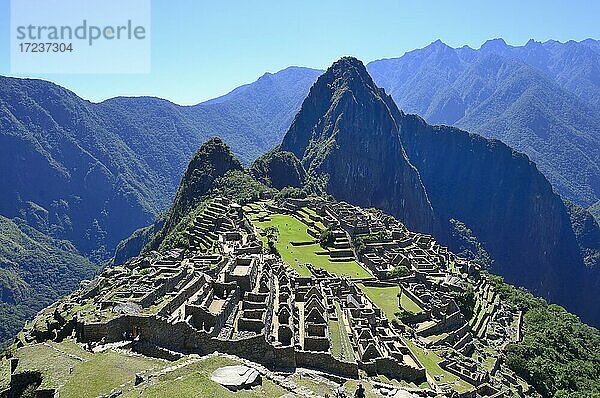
(326, 239)
(399, 272)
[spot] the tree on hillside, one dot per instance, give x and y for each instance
(326, 239)
(272, 233)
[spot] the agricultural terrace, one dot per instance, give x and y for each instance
(430, 361)
(298, 248)
(386, 298)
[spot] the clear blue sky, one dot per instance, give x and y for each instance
(202, 49)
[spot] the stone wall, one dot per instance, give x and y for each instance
(182, 337)
(395, 370)
(326, 362)
(182, 297)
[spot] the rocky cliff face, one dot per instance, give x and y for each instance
(351, 137)
(347, 139)
(509, 205)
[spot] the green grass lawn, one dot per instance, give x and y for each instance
(409, 305)
(341, 347)
(106, 371)
(293, 230)
(78, 373)
(4, 374)
(193, 380)
(383, 297)
(54, 365)
(430, 360)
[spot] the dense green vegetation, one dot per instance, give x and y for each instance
(399, 271)
(587, 231)
(465, 299)
(559, 355)
(468, 246)
(237, 185)
(326, 239)
(35, 270)
(279, 169)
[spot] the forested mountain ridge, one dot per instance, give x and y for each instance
(35, 270)
(93, 173)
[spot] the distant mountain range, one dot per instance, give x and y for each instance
(542, 99)
(92, 173)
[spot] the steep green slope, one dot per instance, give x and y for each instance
(93, 173)
(279, 169)
(587, 231)
(64, 172)
(559, 355)
(35, 270)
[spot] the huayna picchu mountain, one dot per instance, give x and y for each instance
(254, 293)
(355, 144)
(348, 141)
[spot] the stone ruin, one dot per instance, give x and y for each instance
(225, 292)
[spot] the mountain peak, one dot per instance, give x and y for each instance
(347, 124)
(437, 46)
(345, 82)
(494, 44)
(349, 68)
(212, 160)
